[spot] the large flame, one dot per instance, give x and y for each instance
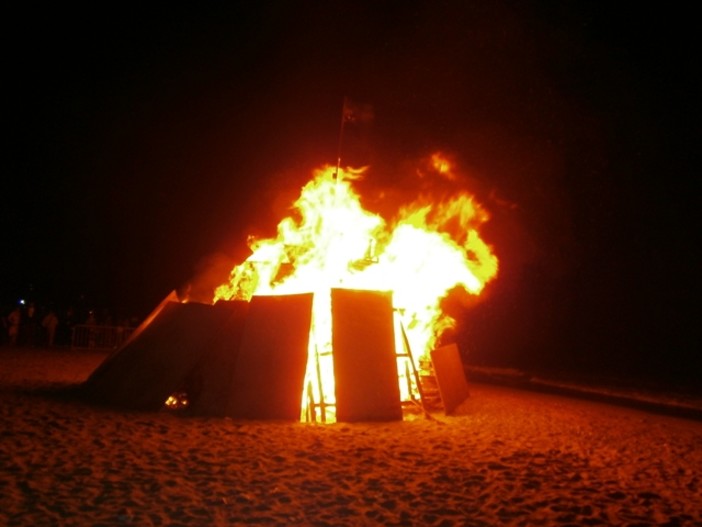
(331, 241)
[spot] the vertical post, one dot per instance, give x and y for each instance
(320, 386)
(344, 107)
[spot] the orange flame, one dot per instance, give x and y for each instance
(331, 241)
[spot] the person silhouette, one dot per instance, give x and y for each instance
(13, 325)
(50, 323)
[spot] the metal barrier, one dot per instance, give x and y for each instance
(84, 336)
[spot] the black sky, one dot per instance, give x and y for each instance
(143, 145)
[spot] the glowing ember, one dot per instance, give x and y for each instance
(332, 242)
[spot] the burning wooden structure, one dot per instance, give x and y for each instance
(321, 320)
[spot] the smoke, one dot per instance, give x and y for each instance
(211, 271)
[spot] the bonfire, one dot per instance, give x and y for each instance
(331, 242)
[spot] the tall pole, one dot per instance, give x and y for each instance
(341, 139)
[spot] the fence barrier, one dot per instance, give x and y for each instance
(84, 336)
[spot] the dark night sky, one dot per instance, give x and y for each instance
(143, 145)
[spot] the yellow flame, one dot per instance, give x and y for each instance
(331, 241)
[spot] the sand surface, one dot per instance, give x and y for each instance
(508, 458)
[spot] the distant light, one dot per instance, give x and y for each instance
(21, 301)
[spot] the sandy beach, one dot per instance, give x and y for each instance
(508, 457)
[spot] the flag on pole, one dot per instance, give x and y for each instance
(356, 114)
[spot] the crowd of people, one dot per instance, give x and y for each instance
(26, 324)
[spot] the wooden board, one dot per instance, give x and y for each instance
(209, 384)
(450, 376)
(365, 365)
(272, 359)
(150, 367)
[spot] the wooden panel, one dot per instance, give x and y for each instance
(450, 376)
(210, 383)
(365, 366)
(153, 365)
(270, 370)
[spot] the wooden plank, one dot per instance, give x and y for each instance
(450, 376)
(365, 365)
(152, 366)
(270, 369)
(209, 384)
